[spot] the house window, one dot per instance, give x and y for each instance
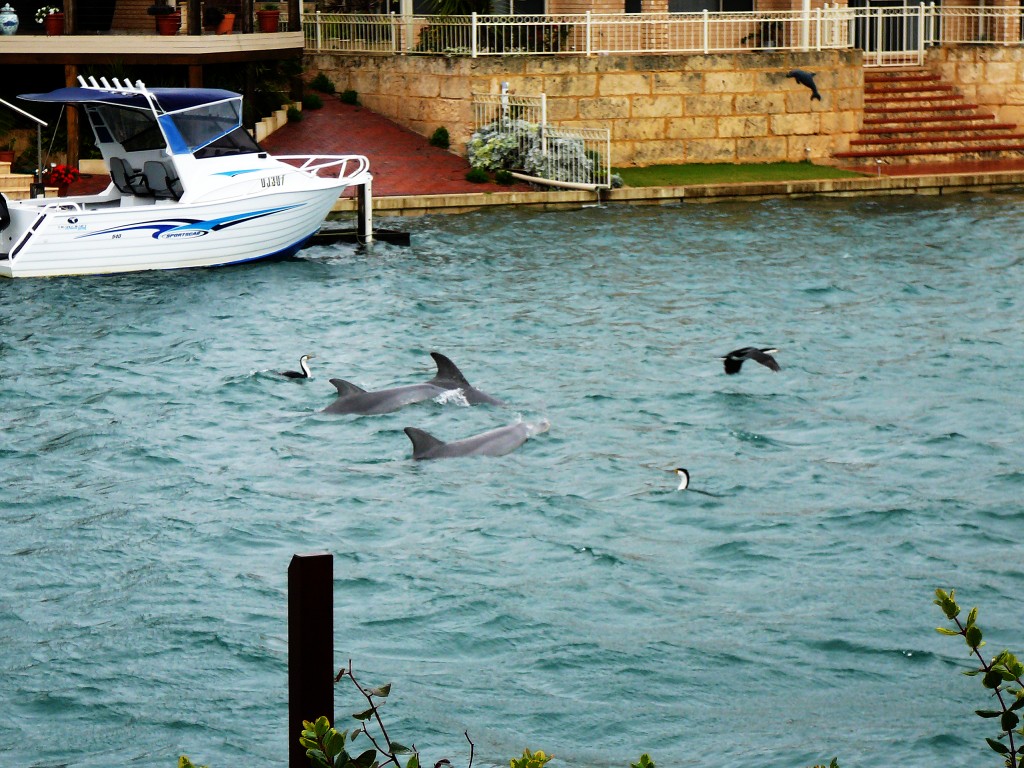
(714, 6)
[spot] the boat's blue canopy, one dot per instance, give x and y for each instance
(169, 99)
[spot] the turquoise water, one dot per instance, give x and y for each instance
(158, 478)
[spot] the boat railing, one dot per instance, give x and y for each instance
(314, 164)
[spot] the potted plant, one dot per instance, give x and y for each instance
(52, 19)
(219, 20)
(268, 17)
(168, 18)
(61, 176)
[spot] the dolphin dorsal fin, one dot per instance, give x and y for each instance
(422, 442)
(346, 387)
(447, 370)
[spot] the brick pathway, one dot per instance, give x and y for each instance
(402, 162)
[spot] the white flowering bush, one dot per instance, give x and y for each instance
(565, 160)
(45, 11)
(502, 145)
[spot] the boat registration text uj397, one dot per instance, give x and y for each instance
(189, 188)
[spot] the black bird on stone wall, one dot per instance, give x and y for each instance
(805, 79)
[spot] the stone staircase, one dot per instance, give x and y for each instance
(912, 116)
(15, 186)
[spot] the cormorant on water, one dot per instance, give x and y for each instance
(304, 365)
(684, 478)
(734, 360)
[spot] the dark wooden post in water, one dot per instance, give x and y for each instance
(310, 646)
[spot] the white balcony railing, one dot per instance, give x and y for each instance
(899, 30)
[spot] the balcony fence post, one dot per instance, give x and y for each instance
(805, 25)
(473, 43)
(589, 33)
(705, 31)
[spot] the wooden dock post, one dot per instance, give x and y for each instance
(310, 646)
(364, 207)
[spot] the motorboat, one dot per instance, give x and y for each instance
(189, 188)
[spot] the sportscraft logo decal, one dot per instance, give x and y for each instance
(180, 228)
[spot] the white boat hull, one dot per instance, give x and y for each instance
(168, 235)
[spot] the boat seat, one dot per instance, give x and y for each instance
(161, 179)
(127, 179)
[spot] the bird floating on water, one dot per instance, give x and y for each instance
(806, 79)
(684, 478)
(735, 359)
(304, 365)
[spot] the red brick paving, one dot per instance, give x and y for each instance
(942, 169)
(402, 162)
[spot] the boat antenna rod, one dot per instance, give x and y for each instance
(40, 124)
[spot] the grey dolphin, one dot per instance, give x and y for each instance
(806, 79)
(354, 399)
(496, 442)
(450, 377)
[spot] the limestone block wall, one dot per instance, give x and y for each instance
(989, 75)
(720, 108)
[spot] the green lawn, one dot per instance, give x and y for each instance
(726, 173)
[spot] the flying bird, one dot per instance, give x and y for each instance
(304, 365)
(805, 79)
(735, 359)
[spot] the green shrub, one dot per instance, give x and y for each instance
(349, 97)
(477, 175)
(439, 138)
(644, 762)
(530, 760)
(312, 101)
(506, 177)
(998, 677)
(294, 115)
(322, 83)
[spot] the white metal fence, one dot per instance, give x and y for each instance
(888, 35)
(516, 127)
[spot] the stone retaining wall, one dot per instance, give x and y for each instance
(719, 108)
(989, 75)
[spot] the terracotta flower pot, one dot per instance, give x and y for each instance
(268, 20)
(54, 24)
(226, 24)
(168, 23)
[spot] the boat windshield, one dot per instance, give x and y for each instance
(133, 129)
(206, 124)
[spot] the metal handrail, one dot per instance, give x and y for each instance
(40, 124)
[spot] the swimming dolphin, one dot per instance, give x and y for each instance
(805, 79)
(734, 360)
(354, 399)
(496, 442)
(450, 377)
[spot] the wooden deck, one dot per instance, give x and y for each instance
(149, 48)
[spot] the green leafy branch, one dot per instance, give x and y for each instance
(1004, 669)
(326, 746)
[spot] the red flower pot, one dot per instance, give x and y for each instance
(268, 20)
(168, 23)
(54, 24)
